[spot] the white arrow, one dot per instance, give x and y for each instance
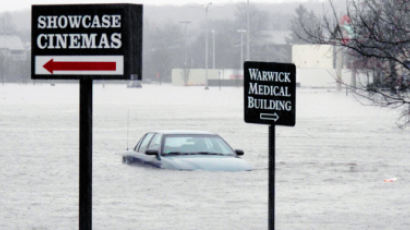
(269, 116)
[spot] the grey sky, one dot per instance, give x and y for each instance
(25, 4)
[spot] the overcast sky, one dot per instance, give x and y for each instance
(12, 5)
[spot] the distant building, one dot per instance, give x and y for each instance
(313, 56)
(197, 77)
(316, 66)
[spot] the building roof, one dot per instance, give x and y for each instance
(11, 42)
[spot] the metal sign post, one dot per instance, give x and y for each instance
(86, 42)
(270, 98)
(271, 178)
(86, 139)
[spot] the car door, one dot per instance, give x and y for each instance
(150, 141)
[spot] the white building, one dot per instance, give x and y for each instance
(194, 77)
(316, 66)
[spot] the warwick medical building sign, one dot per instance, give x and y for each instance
(100, 41)
(270, 91)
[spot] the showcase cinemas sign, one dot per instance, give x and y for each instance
(102, 41)
(270, 93)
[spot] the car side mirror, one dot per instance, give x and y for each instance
(239, 152)
(151, 152)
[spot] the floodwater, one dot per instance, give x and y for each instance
(330, 167)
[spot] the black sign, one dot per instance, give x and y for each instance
(100, 41)
(270, 93)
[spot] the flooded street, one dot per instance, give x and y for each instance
(330, 167)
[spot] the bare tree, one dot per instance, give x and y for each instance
(376, 35)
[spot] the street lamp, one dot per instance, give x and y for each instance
(213, 49)
(185, 23)
(206, 44)
(248, 55)
(241, 31)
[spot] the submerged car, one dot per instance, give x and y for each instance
(186, 150)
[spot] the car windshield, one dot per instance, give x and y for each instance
(192, 144)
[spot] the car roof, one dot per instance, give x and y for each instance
(184, 132)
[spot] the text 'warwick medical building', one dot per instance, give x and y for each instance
(269, 93)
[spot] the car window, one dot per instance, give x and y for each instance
(137, 146)
(218, 145)
(195, 144)
(155, 142)
(144, 143)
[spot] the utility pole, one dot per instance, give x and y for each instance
(186, 72)
(339, 66)
(248, 29)
(206, 45)
(241, 31)
(213, 49)
(353, 78)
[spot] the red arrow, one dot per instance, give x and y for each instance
(52, 66)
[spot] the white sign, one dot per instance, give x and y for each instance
(79, 65)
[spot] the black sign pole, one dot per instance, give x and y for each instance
(270, 98)
(86, 130)
(55, 55)
(271, 205)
